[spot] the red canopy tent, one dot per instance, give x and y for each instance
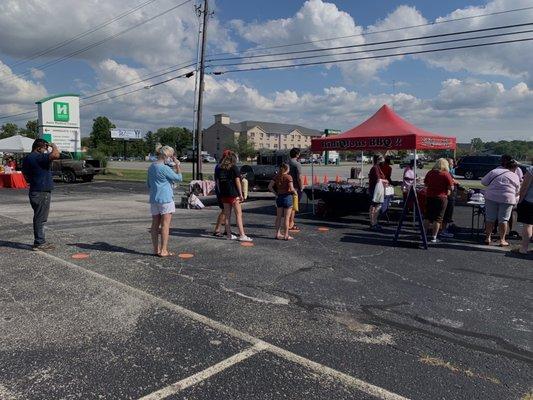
(385, 130)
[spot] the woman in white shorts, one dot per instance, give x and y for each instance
(501, 194)
(162, 206)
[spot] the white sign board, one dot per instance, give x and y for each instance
(126, 134)
(59, 121)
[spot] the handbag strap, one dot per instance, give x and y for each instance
(504, 172)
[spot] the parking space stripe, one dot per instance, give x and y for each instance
(348, 380)
(205, 374)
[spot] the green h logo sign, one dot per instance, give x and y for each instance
(61, 112)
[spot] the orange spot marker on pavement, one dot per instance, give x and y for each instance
(185, 256)
(247, 244)
(323, 229)
(80, 256)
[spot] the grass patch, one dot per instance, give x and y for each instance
(136, 175)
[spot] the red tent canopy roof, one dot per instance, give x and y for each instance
(385, 130)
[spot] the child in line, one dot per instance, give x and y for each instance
(282, 186)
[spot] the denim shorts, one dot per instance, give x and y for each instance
(284, 200)
(497, 211)
(162, 208)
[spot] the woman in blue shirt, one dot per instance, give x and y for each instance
(162, 206)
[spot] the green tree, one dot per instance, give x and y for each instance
(31, 130)
(101, 133)
(242, 147)
(8, 129)
(477, 145)
(179, 138)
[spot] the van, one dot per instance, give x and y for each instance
(475, 167)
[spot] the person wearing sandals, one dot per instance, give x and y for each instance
(221, 217)
(525, 209)
(228, 181)
(501, 193)
(282, 186)
(160, 179)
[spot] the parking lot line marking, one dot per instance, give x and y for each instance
(348, 380)
(205, 374)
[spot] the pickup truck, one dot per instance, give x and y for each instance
(69, 170)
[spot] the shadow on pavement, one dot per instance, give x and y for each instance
(15, 245)
(103, 246)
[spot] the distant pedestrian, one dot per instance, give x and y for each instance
(37, 169)
(439, 185)
(376, 191)
(525, 209)
(408, 178)
(501, 193)
(295, 171)
(160, 179)
(228, 180)
(283, 187)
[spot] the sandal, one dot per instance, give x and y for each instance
(503, 244)
(288, 238)
(294, 228)
(487, 241)
(170, 254)
(218, 234)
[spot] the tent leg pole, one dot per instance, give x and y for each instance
(414, 185)
(361, 179)
(313, 184)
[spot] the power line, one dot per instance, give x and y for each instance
(381, 42)
(83, 34)
(377, 32)
(380, 49)
(74, 53)
(372, 57)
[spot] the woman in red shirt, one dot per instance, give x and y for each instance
(439, 184)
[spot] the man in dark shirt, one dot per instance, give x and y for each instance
(295, 171)
(36, 168)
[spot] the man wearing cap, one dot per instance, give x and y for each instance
(36, 168)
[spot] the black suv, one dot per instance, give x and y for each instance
(474, 167)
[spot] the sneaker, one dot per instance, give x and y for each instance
(232, 237)
(434, 240)
(245, 239)
(43, 247)
(446, 234)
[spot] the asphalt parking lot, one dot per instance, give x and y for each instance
(338, 313)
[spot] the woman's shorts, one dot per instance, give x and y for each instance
(228, 199)
(497, 211)
(435, 208)
(162, 208)
(525, 212)
(284, 200)
(448, 214)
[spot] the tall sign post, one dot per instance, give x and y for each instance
(59, 121)
(329, 132)
(125, 135)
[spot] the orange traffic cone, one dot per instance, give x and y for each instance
(316, 181)
(326, 180)
(305, 180)
(338, 179)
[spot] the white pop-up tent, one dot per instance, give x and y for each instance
(16, 144)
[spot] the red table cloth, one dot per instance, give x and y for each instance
(15, 181)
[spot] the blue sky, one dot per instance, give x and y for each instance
(483, 92)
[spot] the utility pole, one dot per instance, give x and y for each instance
(198, 10)
(199, 174)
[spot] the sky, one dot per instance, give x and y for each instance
(481, 92)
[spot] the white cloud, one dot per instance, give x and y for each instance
(36, 73)
(16, 94)
(167, 40)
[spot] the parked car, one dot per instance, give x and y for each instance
(405, 162)
(476, 167)
(69, 169)
(208, 159)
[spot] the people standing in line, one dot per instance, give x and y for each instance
(525, 209)
(221, 217)
(501, 193)
(448, 213)
(228, 180)
(439, 185)
(37, 169)
(408, 178)
(295, 171)
(375, 178)
(282, 186)
(160, 179)
(387, 169)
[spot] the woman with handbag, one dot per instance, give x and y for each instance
(501, 193)
(525, 209)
